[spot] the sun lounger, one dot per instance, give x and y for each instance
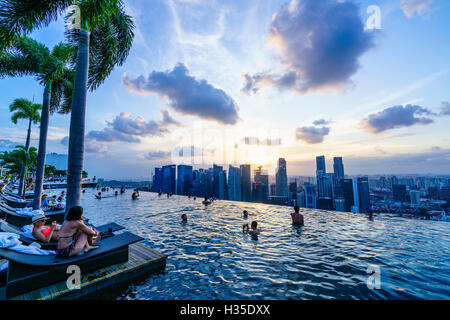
(107, 230)
(27, 272)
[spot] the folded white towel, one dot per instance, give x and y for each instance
(11, 241)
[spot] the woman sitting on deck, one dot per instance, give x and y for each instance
(75, 236)
(42, 232)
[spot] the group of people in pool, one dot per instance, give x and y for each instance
(297, 220)
(73, 236)
(134, 196)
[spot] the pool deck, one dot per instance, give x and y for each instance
(142, 261)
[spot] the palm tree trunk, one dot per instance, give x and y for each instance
(22, 170)
(40, 168)
(77, 123)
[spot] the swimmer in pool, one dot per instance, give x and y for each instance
(252, 230)
(206, 201)
(297, 218)
(245, 213)
(99, 195)
(184, 217)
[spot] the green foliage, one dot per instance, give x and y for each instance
(111, 37)
(25, 109)
(29, 57)
(85, 174)
(15, 159)
(49, 170)
(20, 17)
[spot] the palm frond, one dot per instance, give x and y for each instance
(110, 43)
(20, 17)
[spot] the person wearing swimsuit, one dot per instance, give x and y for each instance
(42, 232)
(75, 236)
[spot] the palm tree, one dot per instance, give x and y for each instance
(25, 109)
(21, 157)
(104, 40)
(52, 69)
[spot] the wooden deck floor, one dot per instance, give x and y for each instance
(141, 261)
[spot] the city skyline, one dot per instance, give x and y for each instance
(370, 107)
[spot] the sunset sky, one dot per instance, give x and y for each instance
(251, 81)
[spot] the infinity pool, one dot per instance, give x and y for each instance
(328, 258)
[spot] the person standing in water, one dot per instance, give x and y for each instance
(252, 230)
(297, 218)
(184, 217)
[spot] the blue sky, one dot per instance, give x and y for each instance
(317, 83)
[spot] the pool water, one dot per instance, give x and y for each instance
(328, 258)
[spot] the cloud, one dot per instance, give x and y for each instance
(410, 7)
(319, 44)
(255, 141)
(8, 145)
(396, 117)
(157, 155)
(445, 109)
(321, 122)
(312, 135)
(90, 146)
(187, 95)
(126, 129)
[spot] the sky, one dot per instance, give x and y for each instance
(251, 81)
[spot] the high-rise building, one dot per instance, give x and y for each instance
(433, 193)
(281, 179)
(246, 182)
(310, 196)
(325, 185)
(234, 184)
(301, 199)
(292, 190)
(339, 204)
(415, 198)
(169, 179)
(347, 186)
(399, 192)
(217, 171)
(223, 192)
(320, 165)
(364, 195)
(356, 207)
(157, 180)
(184, 180)
(261, 186)
(338, 167)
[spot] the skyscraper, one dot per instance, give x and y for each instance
(399, 192)
(261, 185)
(310, 196)
(415, 198)
(216, 180)
(169, 179)
(338, 167)
(364, 196)
(347, 186)
(361, 197)
(246, 182)
(223, 192)
(325, 183)
(281, 179)
(234, 184)
(184, 180)
(320, 165)
(157, 180)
